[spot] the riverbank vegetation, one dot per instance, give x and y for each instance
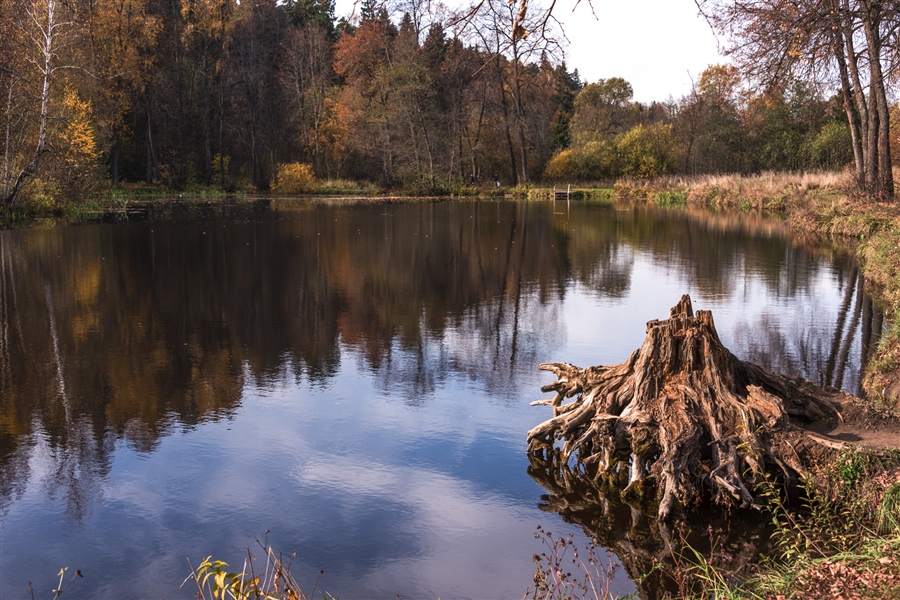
(209, 99)
(227, 96)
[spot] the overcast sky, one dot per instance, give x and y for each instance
(657, 45)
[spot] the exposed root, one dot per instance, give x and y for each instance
(682, 416)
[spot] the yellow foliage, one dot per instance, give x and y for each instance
(42, 194)
(77, 139)
(563, 166)
(295, 178)
(642, 151)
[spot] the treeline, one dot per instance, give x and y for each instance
(225, 94)
(720, 126)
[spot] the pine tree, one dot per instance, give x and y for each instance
(567, 87)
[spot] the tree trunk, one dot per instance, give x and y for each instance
(858, 96)
(850, 106)
(114, 160)
(883, 182)
(45, 43)
(682, 415)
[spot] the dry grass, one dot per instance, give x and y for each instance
(766, 191)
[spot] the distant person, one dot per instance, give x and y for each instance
(496, 180)
(472, 180)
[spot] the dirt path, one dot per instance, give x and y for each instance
(859, 426)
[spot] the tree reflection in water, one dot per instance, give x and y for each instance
(113, 337)
(656, 556)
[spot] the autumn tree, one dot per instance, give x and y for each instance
(500, 30)
(250, 69)
(306, 74)
(603, 110)
(122, 39)
(41, 31)
(844, 42)
(361, 59)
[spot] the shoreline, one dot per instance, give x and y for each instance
(819, 205)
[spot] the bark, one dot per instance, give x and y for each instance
(504, 106)
(682, 417)
(883, 182)
(850, 104)
(46, 45)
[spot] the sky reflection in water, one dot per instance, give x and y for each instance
(354, 379)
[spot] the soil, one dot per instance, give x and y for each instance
(858, 424)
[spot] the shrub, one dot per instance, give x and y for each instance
(597, 160)
(563, 166)
(42, 196)
(295, 178)
(832, 148)
(642, 151)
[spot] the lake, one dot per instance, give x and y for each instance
(353, 377)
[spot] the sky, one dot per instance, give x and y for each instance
(656, 45)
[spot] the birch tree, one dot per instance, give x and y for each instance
(40, 34)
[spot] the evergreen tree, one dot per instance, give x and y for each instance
(319, 12)
(567, 87)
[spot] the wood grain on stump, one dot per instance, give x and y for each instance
(682, 418)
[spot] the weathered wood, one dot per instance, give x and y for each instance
(682, 416)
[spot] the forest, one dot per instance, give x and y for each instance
(410, 95)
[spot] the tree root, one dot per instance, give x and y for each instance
(682, 416)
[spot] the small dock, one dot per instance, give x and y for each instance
(562, 193)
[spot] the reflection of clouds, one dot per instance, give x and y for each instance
(446, 514)
(493, 343)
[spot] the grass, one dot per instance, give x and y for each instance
(670, 198)
(889, 511)
(274, 581)
(837, 542)
(589, 194)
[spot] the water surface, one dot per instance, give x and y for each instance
(353, 378)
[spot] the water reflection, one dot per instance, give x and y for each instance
(121, 343)
(657, 556)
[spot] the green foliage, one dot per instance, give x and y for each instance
(642, 151)
(831, 148)
(597, 194)
(671, 198)
(889, 511)
(596, 160)
(853, 464)
(295, 178)
(567, 87)
(708, 581)
(42, 196)
(82, 211)
(603, 110)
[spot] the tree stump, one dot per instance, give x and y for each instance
(682, 417)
